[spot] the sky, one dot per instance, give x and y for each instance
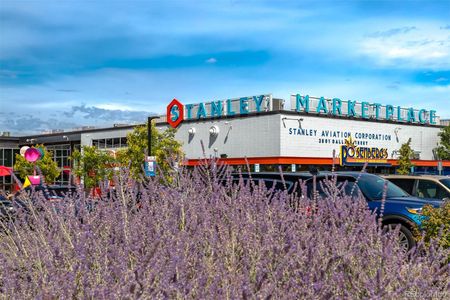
(66, 64)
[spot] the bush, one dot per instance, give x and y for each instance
(437, 224)
(200, 238)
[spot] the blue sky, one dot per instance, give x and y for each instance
(64, 64)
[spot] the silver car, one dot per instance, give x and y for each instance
(423, 186)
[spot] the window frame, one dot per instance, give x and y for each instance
(437, 184)
(413, 185)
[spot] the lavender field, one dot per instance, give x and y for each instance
(197, 238)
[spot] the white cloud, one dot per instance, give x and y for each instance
(211, 60)
(115, 106)
(392, 31)
(424, 47)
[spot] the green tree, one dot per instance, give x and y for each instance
(404, 161)
(164, 146)
(92, 165)
(443, 150)
(47, 165)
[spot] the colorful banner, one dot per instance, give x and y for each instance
(31, 180)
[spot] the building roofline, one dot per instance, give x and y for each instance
(74, 132)
(9, 138)
(294, 113)
(240, 116)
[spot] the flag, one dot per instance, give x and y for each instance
(26, 183)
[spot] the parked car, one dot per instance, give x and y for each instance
(423, 186)
(6, 208)
(277, 181)
(400, 208)
(50, 192)
(9, 208)
(29, 198)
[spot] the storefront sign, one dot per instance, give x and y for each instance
(150, 166)
(363, 110)
(177, 112)
(352, 155)
(337, 137)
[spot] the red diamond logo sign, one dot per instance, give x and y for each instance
(175, 113)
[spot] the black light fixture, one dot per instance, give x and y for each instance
(396, 130)
(293, 119)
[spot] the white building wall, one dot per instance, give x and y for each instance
(276, 135)
(313, 142)
(253, 136)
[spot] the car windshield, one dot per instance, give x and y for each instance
(446, 182)
(373, 186)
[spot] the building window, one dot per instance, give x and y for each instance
(61, 154)
(7, 159)
(110, 143)
(116, 143)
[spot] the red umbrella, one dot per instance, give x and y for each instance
(5, 171)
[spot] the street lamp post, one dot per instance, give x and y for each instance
(149, 134)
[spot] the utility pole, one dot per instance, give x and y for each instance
(150, 161)
(149, 134)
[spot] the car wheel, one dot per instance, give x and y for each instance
(405, 237)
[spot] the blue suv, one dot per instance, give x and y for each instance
(400, 208)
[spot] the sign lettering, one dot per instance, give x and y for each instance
(363, 110)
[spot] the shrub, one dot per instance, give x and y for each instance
(200, 238)
(437, 224)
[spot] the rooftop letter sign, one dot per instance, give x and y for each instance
(362, 110)
(177, 112)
